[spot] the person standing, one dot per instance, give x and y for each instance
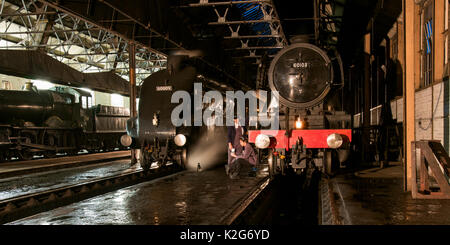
(234, 134)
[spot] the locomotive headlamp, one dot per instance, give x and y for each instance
(291, 80)
(155, 120)
(262, 141)
(334, 141)
(298, 123)
(180, 140)
(126, 140)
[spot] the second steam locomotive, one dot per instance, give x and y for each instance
(59, 120)
(312, 133)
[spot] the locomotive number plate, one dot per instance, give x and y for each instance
(300, 65)
(163, 88)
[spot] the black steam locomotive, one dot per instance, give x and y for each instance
(312, 132)
(152, 131)
(58, 120)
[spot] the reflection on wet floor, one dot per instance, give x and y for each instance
(33, 183)
(180, 199)
(380, 199)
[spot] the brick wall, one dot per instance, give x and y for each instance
(431, 113)
(423, 113)
(438, 110)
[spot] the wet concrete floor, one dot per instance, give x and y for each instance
(180, 199)
(32, 183)
(376, 197)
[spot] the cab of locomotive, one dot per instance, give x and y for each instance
(82, 104)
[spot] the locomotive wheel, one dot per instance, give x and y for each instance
(50, 154)
(282, 163)
(328, 162)
(144, 159)
(51, 140)
(184, 158)
(181, 158)
(161, 163)
(271, 163)
(276, 164)
(6, 156)
(25, 154)
(72, 152)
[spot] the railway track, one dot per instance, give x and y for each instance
(281, 200)
(62, 155)
(12, 169)
(26, 205)
(250, 204)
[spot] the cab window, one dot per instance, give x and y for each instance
(84, 102)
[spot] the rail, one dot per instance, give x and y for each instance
(15, 168)
(26, 205)
(246, 205)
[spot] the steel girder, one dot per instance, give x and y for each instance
(87, 47)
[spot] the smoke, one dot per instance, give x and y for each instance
(210, 151)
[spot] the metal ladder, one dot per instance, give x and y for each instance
(430, 162)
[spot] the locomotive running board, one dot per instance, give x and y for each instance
(312, 138)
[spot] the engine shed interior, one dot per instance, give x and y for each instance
(335, 111)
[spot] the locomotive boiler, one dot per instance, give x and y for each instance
(153, 132)
(312, 132)
(34, 106)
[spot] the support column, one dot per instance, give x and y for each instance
(46, 35)
(132, 68)
(409, 74)
(367, 96)
(438, 40)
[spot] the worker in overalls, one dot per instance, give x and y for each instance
(246, 161)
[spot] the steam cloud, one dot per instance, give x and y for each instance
(210, 151)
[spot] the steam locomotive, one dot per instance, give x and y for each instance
(312, 133)
(152, 131)
(58, 120)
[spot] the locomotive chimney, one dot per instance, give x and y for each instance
(28, 86)
(300, 39)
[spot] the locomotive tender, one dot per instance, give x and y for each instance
(58, 120)
(311, 133)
